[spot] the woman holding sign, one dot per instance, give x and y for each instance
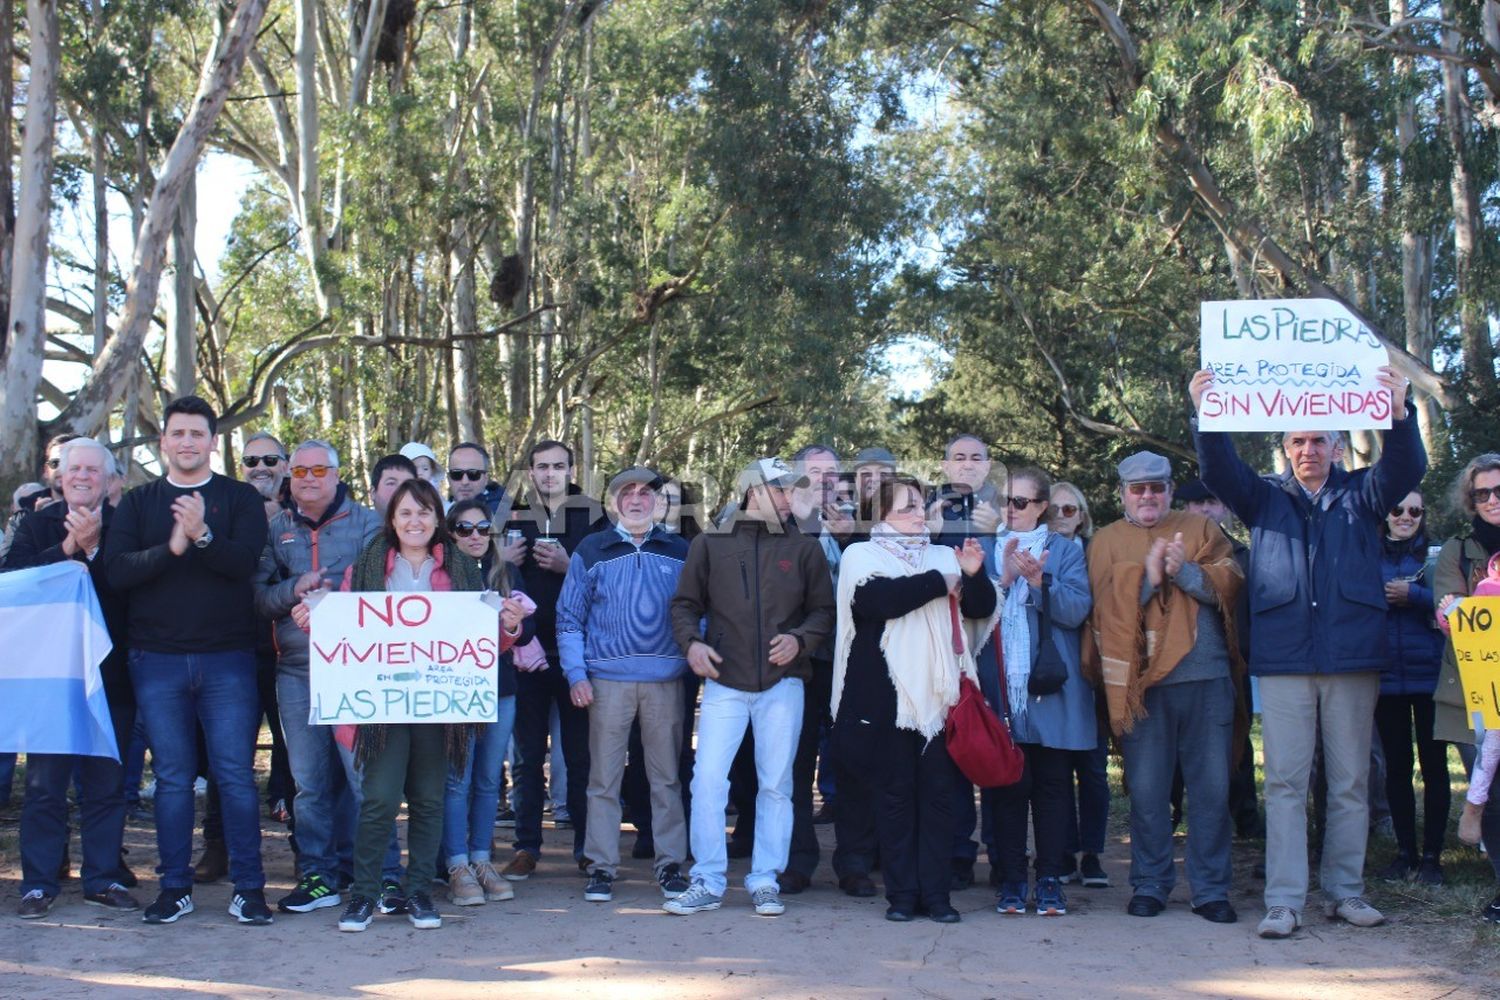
(413, 553)
(1461, 565)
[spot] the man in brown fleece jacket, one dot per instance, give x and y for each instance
(763, 591)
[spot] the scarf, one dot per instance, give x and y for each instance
(1130, 647)
(1015, 625)
(907, 548)
(369, 573)
(1486, 534)
(918, 646)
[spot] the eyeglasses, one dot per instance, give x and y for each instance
(463, 529)
(472, 475)
(1020, 503)
(318, 471)
(251, 461)
(1141, 489)
(1411, 511)
(1068, 509)
(1483, 494)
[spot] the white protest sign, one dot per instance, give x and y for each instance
(403, 657)
(1290, 364)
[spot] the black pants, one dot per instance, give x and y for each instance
(856, 845)
(914, 818)
(1396, 716)
(1046, 787)
(536, 693)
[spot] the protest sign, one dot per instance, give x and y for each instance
(1475, 627)
(403, 657)
(1290, 364)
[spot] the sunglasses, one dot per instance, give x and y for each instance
(1068, 510)
(1483, 494)
(1020, 503)
(318, 471)
(1141, 489)
(472, 475)
(1411, 511)
(251, 461)
(463, 529)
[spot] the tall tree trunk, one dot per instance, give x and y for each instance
(309, 204)
(100, 169)
(465, 306)
(7, 155)
(179, 367)
(27, 332)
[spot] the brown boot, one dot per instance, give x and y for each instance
(213, 863)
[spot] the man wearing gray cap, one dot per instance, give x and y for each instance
(764, 591)
(614, 637)
(1161, 637)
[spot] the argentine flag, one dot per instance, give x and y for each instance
(51, 692)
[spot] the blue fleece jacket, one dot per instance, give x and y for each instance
(613, 616)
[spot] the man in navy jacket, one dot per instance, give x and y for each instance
(1317, 639)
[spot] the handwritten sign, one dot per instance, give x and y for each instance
(1290, 364)
(1475, 627)
(403, 657)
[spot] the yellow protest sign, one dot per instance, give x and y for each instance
(1475, 627)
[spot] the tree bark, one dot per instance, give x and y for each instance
(179, 366)
(7, 155)
(27, 330)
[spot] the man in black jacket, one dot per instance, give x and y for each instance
(184, 549)
(74, 529)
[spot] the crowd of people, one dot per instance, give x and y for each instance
(814, 636)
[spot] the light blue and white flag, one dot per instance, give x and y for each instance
(52, 640)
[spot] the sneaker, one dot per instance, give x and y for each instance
(1279, 922)
(1049, 899)
(1092, 873)
(1011, 899)
(358, 914)
(392, 898)
(424, 916)
(767, 901)
(463, 886)
(496, 888)
(520, 867)
(1070, 870)
(114, 897)
(279, 812)
(696, 900)
(1430, 871)
(249, 907)
(312, 893)
(1354, 910)
(505, 817)
(1492, 911)
(673, 883)
(35, 904)
(601, 887)
(170, 904)
(1400, 869)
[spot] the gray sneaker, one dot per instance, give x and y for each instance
(1279, 922)
(767, 900)
(1354, 910)
(696, 900)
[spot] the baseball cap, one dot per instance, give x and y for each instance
(769, 472)
(634, 474)
(415, 450)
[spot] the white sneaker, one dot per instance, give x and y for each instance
(1279, 922)
(1354, 910)
(697, 899)
(767, 900)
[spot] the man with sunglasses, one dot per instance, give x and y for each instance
(1162, 637)
(469, 476)
(1317, 630)
(264, 462)
(309, 548)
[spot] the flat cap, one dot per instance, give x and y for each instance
(1146, 467)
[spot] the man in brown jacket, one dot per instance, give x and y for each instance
(764, 592)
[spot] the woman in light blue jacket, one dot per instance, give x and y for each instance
(1029, 558)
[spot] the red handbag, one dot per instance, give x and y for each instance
(978, 740)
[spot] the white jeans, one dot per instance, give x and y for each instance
(775, 717)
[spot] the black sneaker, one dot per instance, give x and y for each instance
(249, 907)
(600, 888)
(35, 904)
(673, 883)
(1430, 871)
(358, 914)
(1091, 872)
(113, 897)
(392, 898)
(170, 904)
(312, 893)
(421, 912)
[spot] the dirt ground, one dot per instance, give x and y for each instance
(548, 942)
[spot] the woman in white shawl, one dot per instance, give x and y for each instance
(901, 651)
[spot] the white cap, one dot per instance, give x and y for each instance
(415, 450)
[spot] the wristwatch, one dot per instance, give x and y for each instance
(202, 540)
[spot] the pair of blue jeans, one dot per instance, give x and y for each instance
(470, 797)
(175, 693)
(101, 813)
(327, 803)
